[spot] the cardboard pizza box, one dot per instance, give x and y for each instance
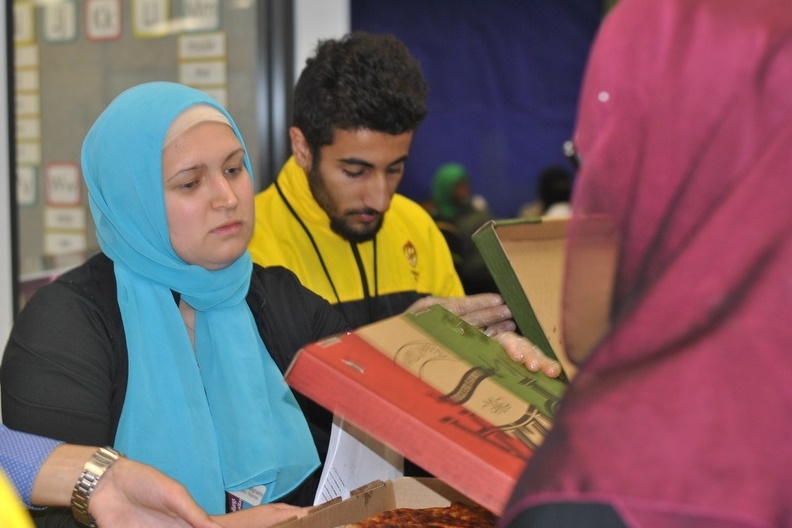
(525, 257)
(438, 391)
(376, 497)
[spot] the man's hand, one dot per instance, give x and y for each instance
(488, 313)
(485, 311)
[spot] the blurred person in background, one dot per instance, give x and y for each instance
(554, 189)
(459, 213)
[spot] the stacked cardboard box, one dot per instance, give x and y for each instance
(441, 393)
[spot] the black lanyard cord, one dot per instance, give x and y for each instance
(364, 280)
(322, 262)
(310, 237)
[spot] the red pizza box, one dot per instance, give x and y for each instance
(438, 391)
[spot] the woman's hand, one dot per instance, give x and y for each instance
(135, 495)
(523, 351)
(488, 313)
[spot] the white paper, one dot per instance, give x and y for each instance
(353, 460)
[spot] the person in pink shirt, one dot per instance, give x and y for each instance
(679, 415)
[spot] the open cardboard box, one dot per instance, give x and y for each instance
(376, 497)
(526, 259)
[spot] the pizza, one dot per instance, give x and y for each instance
(457, 515)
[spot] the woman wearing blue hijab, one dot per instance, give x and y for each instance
(170, 344)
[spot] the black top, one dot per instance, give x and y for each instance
(64, 371)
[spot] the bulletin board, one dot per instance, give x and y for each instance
(71, 58)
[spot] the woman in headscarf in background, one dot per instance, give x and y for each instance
(458, 213)
(680, 414)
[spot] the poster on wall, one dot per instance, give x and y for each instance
(71, 58)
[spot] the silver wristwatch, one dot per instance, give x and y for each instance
(100, 461)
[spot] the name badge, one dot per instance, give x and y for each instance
(252, 496)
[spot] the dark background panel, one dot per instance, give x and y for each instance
(504, 77)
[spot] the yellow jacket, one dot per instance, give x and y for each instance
(412, 257)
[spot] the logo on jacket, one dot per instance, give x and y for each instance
(410, 253)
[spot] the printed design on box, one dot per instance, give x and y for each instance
(472, 346)
(495, 409)
(512, 444)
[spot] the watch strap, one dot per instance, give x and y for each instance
(96, 466)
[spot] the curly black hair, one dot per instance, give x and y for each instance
(362, 81)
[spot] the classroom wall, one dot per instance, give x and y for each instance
(66, 75)
(70, 60)
(315, 20)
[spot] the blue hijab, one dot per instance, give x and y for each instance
(219, 417)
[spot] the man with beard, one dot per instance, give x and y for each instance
(333, 216)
